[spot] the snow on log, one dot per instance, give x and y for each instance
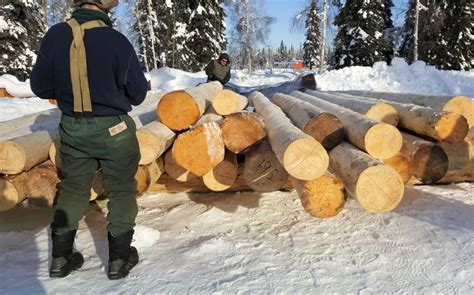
(377, 187)
(242, 130)
(326, 128)
(22, 153)
(380, 140)
(153, 139)
(437, 124)
(378, 111)
(449, 103)
(322, 197)
(226, 102)
(179, 110)
(262, 170)
(223, 175)
(199, 149)
(301, 155)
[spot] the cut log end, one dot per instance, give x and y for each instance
(384, 113)
(178, 110)
(242, 130)
(149, 146)
(222, 177)
(175, 171)
(462, 105)
(326, 129)
(379, 189)
(225, 102)
(383, 141)
(305, 159)
(12, 158)
(9, 196)
(323, 197)
(402, 165)
(452, 127)
(429, 163)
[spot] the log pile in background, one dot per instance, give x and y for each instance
(190, 141)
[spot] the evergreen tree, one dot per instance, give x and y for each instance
(21, 29)
(431, 19)
(58, 11)
(312, 44)
(147, 26)
(282, 52)
(454, 47)
(360, 41)
(206, 37)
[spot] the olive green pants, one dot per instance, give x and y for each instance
(88, 144)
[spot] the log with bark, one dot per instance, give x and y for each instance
(378, 111)
(322, 197)
(199, 149)
(37, 184)
(424, 121)
(22, 153)
(321, 125)
(302, 156)
(380, 140)
(460, 154)
(154, 139)
(179, 110)
(147, 175)
(449, 103)
(242, 130)
(402, 165)
(377, 187)
(226, 102)
(262, 170)
(223, 176)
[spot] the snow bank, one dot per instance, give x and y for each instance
(399, 77)
(15, 87)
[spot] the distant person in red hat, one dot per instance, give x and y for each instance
(219, 70)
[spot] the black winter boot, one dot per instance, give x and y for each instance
(64, 259)
(122, 257)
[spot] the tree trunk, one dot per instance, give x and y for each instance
(175, 171)
(323, 197)
(147, 175)
(302, 156)
(380, 140)
(199, 149)
(262, 171)
(223, 175)
(154, 138)
(22, 153)
(429, 162)
(227, 102)
(377, 187)
(377, 111)
(449, 103)
(242, 130)
(439, 125)
(460, 154)
(322, 126)
(181, 109)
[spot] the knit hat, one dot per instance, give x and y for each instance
(224, 56)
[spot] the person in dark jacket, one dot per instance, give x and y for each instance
(94, 74)
(219, 70)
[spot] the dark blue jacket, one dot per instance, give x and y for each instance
(116, 80)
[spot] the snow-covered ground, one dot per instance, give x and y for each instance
(251, 243)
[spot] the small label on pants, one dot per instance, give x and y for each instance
(117, 128)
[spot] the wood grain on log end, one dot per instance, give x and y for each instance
(222, 176)
(225, 102)
(452, 127)
(462, 105)
(326, 129)
(305, 159)
(402, 165)
(429, 163)
(323, 197)
(379, 189)
(12, 158)
(9, 196)
(384, 113)
(178, 110)
(383, 141)
(242, 130)
(175, 171)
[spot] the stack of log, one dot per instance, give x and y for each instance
(322, 144)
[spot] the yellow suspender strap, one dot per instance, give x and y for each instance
(78, 65)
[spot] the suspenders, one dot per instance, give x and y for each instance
(78, 65)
